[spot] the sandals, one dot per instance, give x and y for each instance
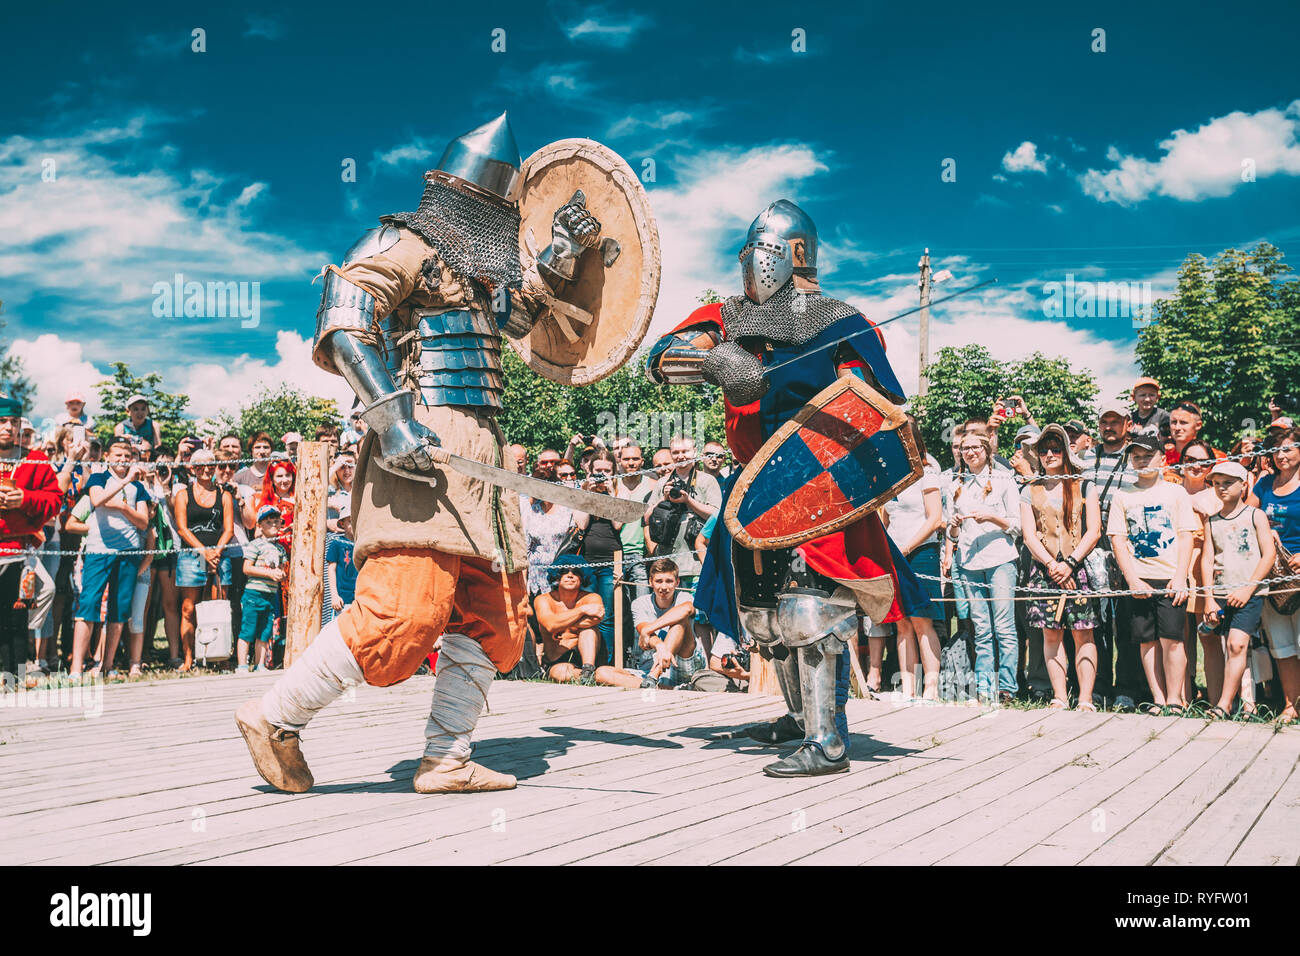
(1173, 710)
(1151, 710)
(1087, 706)
(1057, 704)
(1217, 713)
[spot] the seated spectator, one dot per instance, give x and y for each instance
(115, 528)
(204, 515)
(1238, 555)
(1150, 527)
(138, 424)
(568, 617)
(264, 566)
(664, 619)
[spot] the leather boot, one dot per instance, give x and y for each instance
(448, 775)
(275, 751)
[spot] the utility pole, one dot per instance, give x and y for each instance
(923, 370)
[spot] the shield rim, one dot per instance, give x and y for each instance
(895, 420)
(648, 234)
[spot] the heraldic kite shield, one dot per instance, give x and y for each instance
(596, 321)
(843, 455)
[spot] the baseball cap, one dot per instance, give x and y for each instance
(75, 396)
(1149, 442)
(27, 425)
(10, 407)
(137, 397)
(1145, 380)
(1027, 431)
(1282, 422)
(267, 511)
(1075, 427)
(1233, 469)
(1114, 406)
(290, 437)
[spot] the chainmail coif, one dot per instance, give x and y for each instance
(787, 316)
(477, 238)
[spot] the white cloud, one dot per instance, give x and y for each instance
(703, 217)
(600, 27)
(1024, 159)
(56, 366)
(421, 151)
(657, 119)
(1205, 163)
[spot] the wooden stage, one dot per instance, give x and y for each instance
(161, 776)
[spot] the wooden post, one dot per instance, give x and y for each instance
(618, 609)
(762, 676)
(307, 563)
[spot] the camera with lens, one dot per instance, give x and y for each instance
(677, 487)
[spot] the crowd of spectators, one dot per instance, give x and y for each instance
(1078, 564)
(101, 539)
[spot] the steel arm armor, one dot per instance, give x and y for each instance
(676, 359)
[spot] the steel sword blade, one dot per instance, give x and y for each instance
(603, 506)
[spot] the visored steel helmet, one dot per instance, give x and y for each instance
(486, 156)
(781, 240)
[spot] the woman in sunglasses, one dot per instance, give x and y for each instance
(205, 523)
(1061, 518)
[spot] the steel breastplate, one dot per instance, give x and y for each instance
(456, 355)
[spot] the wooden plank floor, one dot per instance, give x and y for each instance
(157, 774)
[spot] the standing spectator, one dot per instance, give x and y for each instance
(1080, 440)
(116, 527)
(291, 441)
(600, 542)
(205, 524)
(138, 424)
(162, 486)
(252, 475)
(634, 486)
(1147, 418)
(356, 429)
(670, 651)
(73, 473)
(225, 479)
(338, 563)
(692, 496)
(914, 521)
(547, 462)
(1062, 524)
(264, 567)
(1151, 526)
(1278, 496)
(545, 525)
(715, 460)
(342, 472)
(515, 457)
(329, 434)
(74, 412)
(277, 489)
(1246, 450)
(1238, 555)
(29, 498)
(984, 523)
(231, 444)
(1184, 427)
(1195, 464)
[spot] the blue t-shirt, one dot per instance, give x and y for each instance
(1283, 512)
(338, 551)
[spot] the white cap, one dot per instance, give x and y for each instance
(1233, 469)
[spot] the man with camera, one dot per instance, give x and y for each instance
(681, 503)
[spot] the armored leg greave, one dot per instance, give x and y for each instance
(760, 623)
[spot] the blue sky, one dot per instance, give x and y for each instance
(225, 165)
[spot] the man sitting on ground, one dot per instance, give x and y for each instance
(664, 621)
(569, 617)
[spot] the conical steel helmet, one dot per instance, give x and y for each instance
(486, 156)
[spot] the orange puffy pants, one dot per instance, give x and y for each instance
(407, 598)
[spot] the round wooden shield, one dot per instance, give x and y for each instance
(606, 310)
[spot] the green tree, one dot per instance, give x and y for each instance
(13, 378)
(967, 380)
(1226, 339)
(278, 410)
(167, 410)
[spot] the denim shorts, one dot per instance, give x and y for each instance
(192, 570)
(1244, 618)
(114, 573)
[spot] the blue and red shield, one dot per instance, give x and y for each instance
(843, 455)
